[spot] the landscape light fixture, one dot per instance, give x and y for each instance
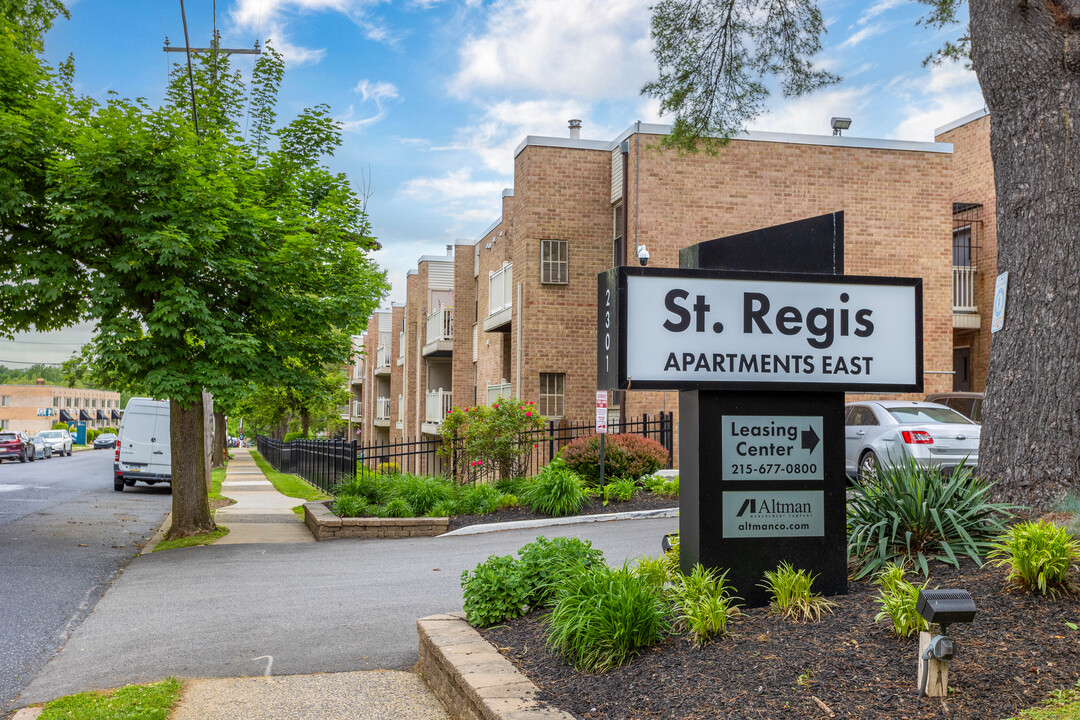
(943, 607)
(839, 124)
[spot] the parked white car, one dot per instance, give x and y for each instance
(59, 440)
(892, 431)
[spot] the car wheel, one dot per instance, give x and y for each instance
(867, 466)
(118, 484)
(69, 452)
(22, 458)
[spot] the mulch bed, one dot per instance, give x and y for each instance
(644, 500)
(1017, 650)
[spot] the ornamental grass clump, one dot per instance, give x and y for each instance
(905, 512)
(620, 490)
(653, 570)
(704, 602)
(351, 506)
(1039, 556)
(898, 599)
(477, 500)
(556, 490)
(793, 596)
(603, 616)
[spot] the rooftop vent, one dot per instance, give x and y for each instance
(575, 129)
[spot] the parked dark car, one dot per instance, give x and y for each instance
(968, 404)
(16, 445)
(105, 440)
(42, 448)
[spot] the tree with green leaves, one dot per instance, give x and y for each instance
(205, 259)
(714, 59)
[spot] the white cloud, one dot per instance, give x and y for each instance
(375, 92)
(939, 95)
(810, 114)
(878, 8)
(581, 48)
(270, 18)
(454, 185)
(859, 35)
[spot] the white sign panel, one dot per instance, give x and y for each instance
(601, 411)
(695, 329)
(1001, 288)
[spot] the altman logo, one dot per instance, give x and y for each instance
(773, 507)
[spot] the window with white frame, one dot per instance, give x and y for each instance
(554, 262)
(5, 400)
(3, 425)
(56, 401)
(552, 394)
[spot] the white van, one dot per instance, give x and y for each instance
(143, 452)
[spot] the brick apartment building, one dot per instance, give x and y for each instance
(519, 316)
(33, 408)
(974, 247)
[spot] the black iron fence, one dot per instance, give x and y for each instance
(324, 463)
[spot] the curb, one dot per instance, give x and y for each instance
(158, 536)
(577, 519)
(471, 679)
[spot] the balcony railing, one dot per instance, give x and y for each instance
(438, 403)
(494, 392)
(382, 357)
(440, 325)
(501, 289)
(357, 408)
(382, 408)
(964, 289)
(358, 371)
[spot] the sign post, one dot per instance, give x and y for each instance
(762, 346)
(601, 428)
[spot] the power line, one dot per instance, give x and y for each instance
(27, 362)
(191, 76)
(39, 342)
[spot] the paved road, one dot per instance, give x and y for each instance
(231, 610)
(64, 535)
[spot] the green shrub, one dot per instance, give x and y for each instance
(543, 562)
(511, 486)
(351, 506)
(625, 456)
(507, 500)
(905, 512)
(493, 592)
(445, 508)
(477, 500)
(792, 594)
(297, 435)
(898, 599)
(704, 602)
(90, 435)
(653, 570)
(602, 616)
(1039, 556)
(60, 426)
(364, 486)
(619, 490)
(668, 487)
(421, 492)
(397, 508)
(388, 468)
(672, 561)
(490, 441)
(555, 491)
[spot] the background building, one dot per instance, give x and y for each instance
(33, 408)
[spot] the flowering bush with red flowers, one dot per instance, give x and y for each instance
(625, 456)
(490, 442)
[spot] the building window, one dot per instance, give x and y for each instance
(67, 402)
(554, 262)
(552, 394)
(56, 401)
(76, 402)
(5, 400)
(3, 424)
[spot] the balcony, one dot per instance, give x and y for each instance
(439, 337)
(965, 307)
(382, 360)
(382, 412)
(500, 390)
(500, 299)
(357, 409)
(437, 405)
(358, 373)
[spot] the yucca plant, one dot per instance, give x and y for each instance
(704, 602)
(1039, 556)
(898, 599)
(905, 512)
(792, 594)
(602, 616)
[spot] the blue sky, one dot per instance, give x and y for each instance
(435, 95)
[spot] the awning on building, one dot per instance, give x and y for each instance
(115, 414)
(65, 416)
(85, 416)
(101, 415)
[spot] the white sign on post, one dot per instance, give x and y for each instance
(601, 411)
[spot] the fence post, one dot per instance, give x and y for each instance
(551, 440)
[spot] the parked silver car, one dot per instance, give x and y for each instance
(891, 431)
(60, 440)
(42, 448)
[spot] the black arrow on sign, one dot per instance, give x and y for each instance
(810, 439)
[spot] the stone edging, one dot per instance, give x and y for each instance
(325, 525)
(471, 679)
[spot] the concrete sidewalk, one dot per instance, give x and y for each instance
(261, 514)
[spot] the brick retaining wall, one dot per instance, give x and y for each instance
(325, 525)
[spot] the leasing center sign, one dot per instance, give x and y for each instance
(683, 329)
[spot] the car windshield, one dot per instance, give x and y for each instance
(8, 437)
(916, 414)
(49, 434)
(106, 436)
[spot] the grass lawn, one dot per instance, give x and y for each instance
(134, 702)
(290, 485)
(194, 540)
(1061, 705)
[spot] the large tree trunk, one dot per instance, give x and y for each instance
(190, 505)
(305, 422)
(1027, 56)
(220, 431)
